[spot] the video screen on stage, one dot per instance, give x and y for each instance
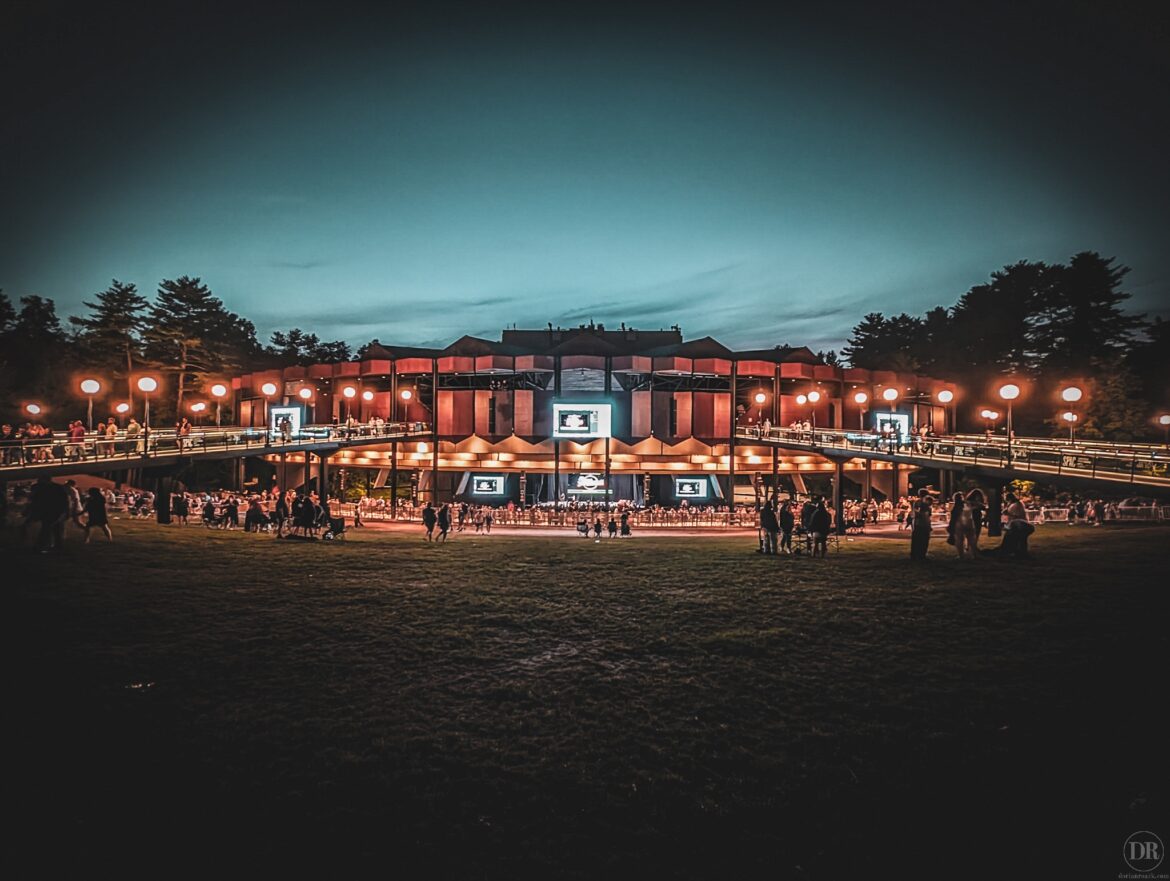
(587, 483)
(691, 487)
(276, 415)
(577, 421)
(487, 485)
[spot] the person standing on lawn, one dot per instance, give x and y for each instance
(787, 522)
(920, 526)
(95, 514)
(820, 525)
(429, 519)
(444, 520)
(771, 527)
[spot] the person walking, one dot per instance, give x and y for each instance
(429, 519)
(771, 527)
(444, 521)
(961, 528)
(96, 516)
(820, 525)
(977, 504)
(920, 525)
(787, 522)
(76, 508)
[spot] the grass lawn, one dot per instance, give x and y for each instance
(505, 707)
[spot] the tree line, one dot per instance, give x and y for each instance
(185, 334)
(1048, 324)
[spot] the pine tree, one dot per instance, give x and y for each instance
(110, 336)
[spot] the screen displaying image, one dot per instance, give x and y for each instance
(277, 415)
(895, 422)
(487, 485)
(587, 483)
(573, 421)
(691, 487)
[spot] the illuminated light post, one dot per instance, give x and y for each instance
(1009, 392)
(760, 397)
(122, 409)
(407, 396)
(990, 416)
(1164, 421)
(306, 395)
(946, 396)
(1070, 395)
(860, 398)
(198, 408)
(813, 397)
(90, 387)
(218, 391)
(148, 385)
(349, 393)
(33, 409)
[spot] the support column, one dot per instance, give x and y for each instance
(895, 481)
(608, 489)
(282, 473)
(868, 479)
(394, 479)
(730, 443)
(308, 475)
(775, 474)
(323, 476)
(435, 431)
(838, 496)
(556, 490)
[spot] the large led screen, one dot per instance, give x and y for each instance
(691, 487)
(276, 415)
(578, 421)
(487, 485)
(587, 483)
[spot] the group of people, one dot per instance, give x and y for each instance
(966, 523)
(35, 442)
(52, 506)
(479, 516)
(613, 527)
(812, 519)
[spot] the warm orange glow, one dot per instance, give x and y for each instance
(406, 394)
(761, 397)
(946, 396)
(861, 397)
(123, 408)
(890, 394)
(349, 391)
(147, 384)
(219, 390)
(33, 409)
(367, 396)
(198, 407)
(91, 386)
(814, 396)
(1009, 391)
(422, 447)
(1164, 419)
(1069, 416)
(802, 399)
(989, 414)
(1071, 394)
(305, 394)
(269, 389)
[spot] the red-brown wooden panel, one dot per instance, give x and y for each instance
(456, 364)
(676, 365)
(524, 422)
(640, 414)
(535, 362)
(684, 416)
(493, 363)
(455, 412)
(293, 372)
(347, 368)
(790, 370)
(825, 372)
(413, 365)
(375, 367)
(756, 368)
(483, 403)
(715, 366)
(320, 371)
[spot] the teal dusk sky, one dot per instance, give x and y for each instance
(413, 176)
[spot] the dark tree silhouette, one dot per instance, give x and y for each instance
(110, 336)
(298, 347)
(1080, 315)
(193, 336)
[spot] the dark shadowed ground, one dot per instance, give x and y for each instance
(544, 706)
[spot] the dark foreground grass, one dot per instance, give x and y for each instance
(549, 707)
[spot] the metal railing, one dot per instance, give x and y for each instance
(132, 449)
(1126, 463)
